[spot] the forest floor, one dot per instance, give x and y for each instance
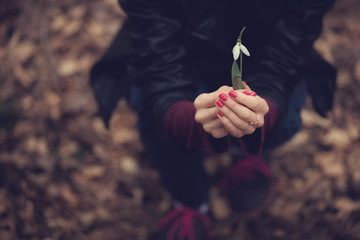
(63, 175)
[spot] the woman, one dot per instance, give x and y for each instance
(172, 61)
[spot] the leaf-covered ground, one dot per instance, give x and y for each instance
(64, 176)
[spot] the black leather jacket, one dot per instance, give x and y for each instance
(165, 47)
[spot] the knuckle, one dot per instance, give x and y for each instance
(250, 130)
(246, 115)
(255, 104)
(261, 123)
(237, 133)
(241, 125)
(198, 101)
(266, 110)
(222, 88)
(198, 117)
(232, 104)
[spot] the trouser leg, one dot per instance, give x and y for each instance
(292, 122)
(181, 172)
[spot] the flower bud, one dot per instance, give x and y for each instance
(236, 51)
(244, 50)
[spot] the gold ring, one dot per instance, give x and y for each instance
(256, 121)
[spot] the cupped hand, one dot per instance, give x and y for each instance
(206, 113)
(240, 111)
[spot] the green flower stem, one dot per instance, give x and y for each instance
(236, 73)
(240, 64)
(239, 41)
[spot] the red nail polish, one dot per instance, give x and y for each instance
(219, 103)
(220, 114)
(232, 94)
(253, 94)
(246, 92)
(223, 96)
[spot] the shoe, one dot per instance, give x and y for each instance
(183, 224)
(249, 186)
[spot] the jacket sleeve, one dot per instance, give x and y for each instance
(290, 42)
(159, 66)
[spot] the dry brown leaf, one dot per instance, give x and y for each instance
(72, 27)
(23, 51)
(321, 191)
(220, 207)
(331, 164)
(36, 145)
(87, 218)
(77, 102)
(353, 130)
(67, 67)
(124, 135)
(68, 148)
(286, 209)
(95, 28)
(53, 100)
(68, 195)
(312, 119)
(100, 151)
(58, 22)
(78, 11)
(129, 165)
(345, 206)
(99, 126)
(337, 138)
(354, 165)
(23, 76)
(91, 172)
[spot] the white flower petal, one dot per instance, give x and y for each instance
(236, 51)
(244, 50)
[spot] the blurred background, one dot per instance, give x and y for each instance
(63, 175)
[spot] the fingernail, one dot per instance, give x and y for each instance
(232, 94)
(246, 92)
(253, 94)
(245, 84)
(220, 114)
(223, 96)
(219, 103)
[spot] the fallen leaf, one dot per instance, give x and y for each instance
(91, 172)
(331, 164)
(337, 138)
(129, 165)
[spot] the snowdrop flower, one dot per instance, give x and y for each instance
(236, 51)
(236, 71)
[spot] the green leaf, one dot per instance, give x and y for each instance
(236, 77)
(235, 71)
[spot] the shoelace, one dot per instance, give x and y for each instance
(182, 219)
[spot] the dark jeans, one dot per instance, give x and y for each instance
(182, 172)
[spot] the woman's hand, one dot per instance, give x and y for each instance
(241, 111)
(206, 113)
